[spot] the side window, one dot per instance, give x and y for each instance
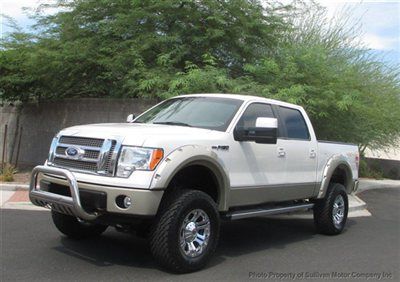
(253, 112)
(296, 126)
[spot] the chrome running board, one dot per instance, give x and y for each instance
(270, 211)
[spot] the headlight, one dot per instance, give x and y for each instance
(137, 158)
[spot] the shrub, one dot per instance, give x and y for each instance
(7, 173)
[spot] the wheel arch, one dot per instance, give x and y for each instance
(193, 156)
(336, 170)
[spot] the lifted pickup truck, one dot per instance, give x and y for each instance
(174, 172)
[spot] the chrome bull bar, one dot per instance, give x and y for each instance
(64, 204)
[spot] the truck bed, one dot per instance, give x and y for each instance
(327, 149)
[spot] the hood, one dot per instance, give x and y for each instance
(136, 134)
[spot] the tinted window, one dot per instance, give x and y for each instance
(253, 112)
(295, 124)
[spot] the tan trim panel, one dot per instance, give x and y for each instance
(144, 202)
(252, 195)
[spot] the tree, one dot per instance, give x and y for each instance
(349, 94)
(134, 48)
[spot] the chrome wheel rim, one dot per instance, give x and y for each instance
(195, 233)
(338, 211)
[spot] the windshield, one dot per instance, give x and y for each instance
(203, 112)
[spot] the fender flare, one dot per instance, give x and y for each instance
(336, 161)
(193, 155)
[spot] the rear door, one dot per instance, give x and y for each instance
(300, 151)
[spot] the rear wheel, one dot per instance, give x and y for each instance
(186, 231)
(74, 228)
(330, 213)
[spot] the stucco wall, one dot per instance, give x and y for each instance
(392, 153)
(40, 122)
(388, 168)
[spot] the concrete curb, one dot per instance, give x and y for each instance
(356, 204)
(13, 186)
(22, 206)
(369, 184)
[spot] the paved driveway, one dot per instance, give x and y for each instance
(262, 248)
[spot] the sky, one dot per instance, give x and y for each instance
(380, 24)
(380, 21)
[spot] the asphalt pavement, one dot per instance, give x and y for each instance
(268, 249)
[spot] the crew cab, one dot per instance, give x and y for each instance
(175, 171)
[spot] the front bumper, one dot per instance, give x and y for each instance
(144, 202)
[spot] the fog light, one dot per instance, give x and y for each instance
(123, 201)
(127, 202)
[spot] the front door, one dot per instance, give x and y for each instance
(254, 169)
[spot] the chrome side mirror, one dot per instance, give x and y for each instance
(264, 122)
(264, 131)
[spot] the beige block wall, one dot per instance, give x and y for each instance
(390, 153)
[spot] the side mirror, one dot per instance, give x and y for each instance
(264, 131)
(130, 118)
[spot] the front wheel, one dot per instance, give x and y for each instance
(74, 228)
(330, 213)
(186, 231)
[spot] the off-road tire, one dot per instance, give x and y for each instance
(72, 228)
(323, 209)
(165, 232)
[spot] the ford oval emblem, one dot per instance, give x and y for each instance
(71, 151)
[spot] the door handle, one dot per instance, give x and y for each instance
(313, 154)
(281, 152)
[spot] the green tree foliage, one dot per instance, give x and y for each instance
(135, 48)
(349, 94)
(158, 49)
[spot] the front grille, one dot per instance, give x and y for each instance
(96, 158)
(82, 141)
(108, 165)
(91, 154)
(61, 150)
(75, 164)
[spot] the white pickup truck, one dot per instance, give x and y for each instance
(174, 172)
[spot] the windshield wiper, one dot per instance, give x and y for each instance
(172, 123)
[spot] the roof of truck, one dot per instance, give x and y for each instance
(241, 97)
